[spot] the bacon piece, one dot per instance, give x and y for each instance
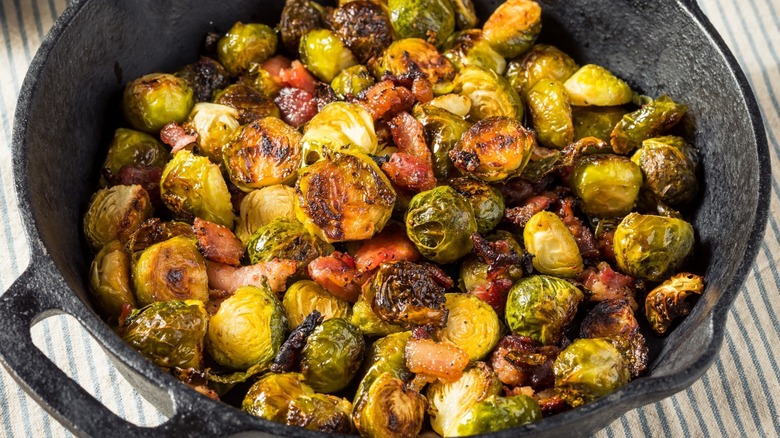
(391, 244)
(230, 278)
(518, 361)
(338, 274)
(274, 67)
(606, 284)
(323, 95)
(409, 172)
(520, 216)
(583, 235)
(289, 357)
(176, 137)
(494, 293)
(409, 136)
(498, 255)
(606, 245)
(384, 100)
(515, 191)
(442, 360)
(439, 276)
(147, 177)
(297, 106)
(217, 243)
(297, 76)
(422, 89)
(551, 403)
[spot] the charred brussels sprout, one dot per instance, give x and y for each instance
(298, 18)
(473, 271)
(169, 333)
(263, 153)
(443, 130)
(433, 20)
(670, 175)
(245, 44)
(386, 355)
(554, 249)
(652, 247)
(170, 270)
(339, 127)
(486, 201)
(132, 148)
(589, 369)
(152, 101)
(305, 296)
(215, 125)
(287, 239)
(114, 213)
(364, 318)
(344, 197)
(109, 280)
(204, 77)
(250, 104)
(332, 355)
(284, 398)
(193, 186)
(513, 27)
(595, 85)
(607, 184)
(469, 47)
(389, 410)
(671, 300)
(594, 121)
(498, 413)
(651, 120)
(407, 56)
(364, 27)
(490, 94)
(352, 81)
(247, 330)
(440, 223)
(260, 207)
(472, 325)
(550, 110)
(323, 54)
(541, 307)
(541, 62)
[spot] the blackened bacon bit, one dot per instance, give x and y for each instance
(176, 137)
(604, 283)
(465, 160)
(323, 95)
(583, 235)
(289, 357)
(498, 255)
(519, 361)
(519, 216)
(515, 191)
(551, 403)
(197, 380)
(439, 276)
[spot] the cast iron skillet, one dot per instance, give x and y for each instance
(67, 110)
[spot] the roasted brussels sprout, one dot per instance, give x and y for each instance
(193, 186)
(440, 223)
(247, 330)
(152, 101)
(323, 54)
(170, 270)
(339, 127)
(472, 325)
(550, 110)
(541, 62)
(305, 296)
(433, 20)
(114, 213)
(551, 243)
(364, 27)
(670, 175)
(443, 130)
(386, 355)
(671, 300)
(215, 125)
(369, 323)
(284, 398)
(204, 77)
(589, 369)
(465, 14)
(494, 149)
(474, 272)
(490, 94)
(332, 355)
(109, 280)
(486, 201)
(498, 413)
(263, 153)
(407, 56)
(651, 120)
(245, 44)
(154, 231)
(540, 307)
(596, 121)
(261, 81)
(344, 197)
(453, 103)
(513, 27)
(469, 47)
(250, 104)
(652, 247)
(260, 207)
(614, 319)
(287, 239)
(298, 18)
(389, 409)
(352, 81)
(608, 185)
(132, 148)
(595, 85)
(168, 333)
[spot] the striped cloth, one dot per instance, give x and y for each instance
(738, 395)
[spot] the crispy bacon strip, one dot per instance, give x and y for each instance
(338, 274)
(518, 361)
(422, 90)
(605, 283)
(498, 255)
(494, 293)
(176, 137)
(520, 216)
(147, 177)
(583, 235)
(217, 243)
(230, 278)
(385, 99)
(412, 167)
(442, 360)
(390, 245)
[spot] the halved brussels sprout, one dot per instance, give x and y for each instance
(652, 120)
(298, 18)
(114, 213)
(465, 14)
(263, 153)
(109, 280)
(589, 369)
(513, 27)
(596, 121)
(541, 62)
(540, 307)
(389, 410)
(339, 127)
(351, 81)
(154, 231)
(440, 223)
(671, 300)
(472, 325)
(550, 110)
(405, 57)
(245, 44)
(498, 413)
(551, 243)
(332, 355)
(260, 207)
(433, 20)
(490, 94)
(193, 186)
(608, 185)
(250, 104)
(443, 130)
(128, 148)
(284, 398)
(170, 270)
(595, 85)
(287, 239)
(386, 355)
(494, 149)
(344, 197)
(323, 54)
(652, 247)
(454, 103)
(261, 81)
(473, 271)
(205, 76)
(670, 175)
(364, 27)
(152, 101)
(305, 296)
(214, 124)
(486, 201)
(168, 333)
(247, 330)
(369, 322)
(469, 47)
